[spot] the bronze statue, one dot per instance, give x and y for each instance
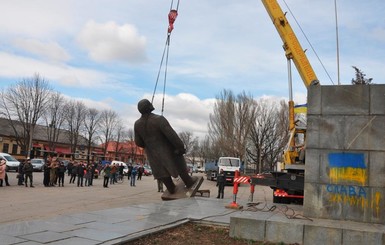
(163, 147)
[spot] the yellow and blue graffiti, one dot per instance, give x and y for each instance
(347, 167)
(351, 168)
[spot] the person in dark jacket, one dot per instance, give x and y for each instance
(107, 173)
(140, 172)
(80, 173)
(74, 172)
(61, 172)
(28, 171)
(221, 182)
(20, 174)
(47, 170)
(163, 147)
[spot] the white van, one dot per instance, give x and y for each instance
(118, 163)
(11, 162)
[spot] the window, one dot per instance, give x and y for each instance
(5, 147)
(14, 149)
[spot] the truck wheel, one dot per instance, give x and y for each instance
(277, 199)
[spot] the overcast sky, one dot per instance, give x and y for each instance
(108, 52)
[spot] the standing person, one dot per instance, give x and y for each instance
(74, 172)
(93, 166)
(121, 171)
(61, 172)
(80, 173)
(107, 172)
(160, 185)
(163, 147)
(221, 182)
(140, 172)
(113, 174)
(20, 174)
(134, 171)
(28, 170)
(129, 171)
(52, 172)
(47, 170)
(88, 175)
(3, 166)
(69, 168)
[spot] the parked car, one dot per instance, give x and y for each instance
(147, 170)
(11, 162)
(38, 164)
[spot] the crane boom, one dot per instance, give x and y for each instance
(291, 45)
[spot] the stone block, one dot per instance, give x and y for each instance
(318, 235)
(377, 133)
(376, 204)
(377, 99)
(340, 176)
(357, 132)
(352, 237)
(314, 100)
(284, 231)
(313, 131)
(348, 202)
(345, 100)
(251, 229)
(331, 134)
(377, 169)
(312, 200)
(312, 166)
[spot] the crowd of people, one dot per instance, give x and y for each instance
(79, 173)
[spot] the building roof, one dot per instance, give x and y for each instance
(40, 133)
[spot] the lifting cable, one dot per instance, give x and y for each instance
(171, 19)
(308, 41)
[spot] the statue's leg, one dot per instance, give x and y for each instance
(188, 181)
(167, 181)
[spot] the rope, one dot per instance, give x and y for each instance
(284, 209)
(171, 19)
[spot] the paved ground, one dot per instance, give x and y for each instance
(116, 215)
(19, 203)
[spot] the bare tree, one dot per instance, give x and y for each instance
(231, 123)
(268, 135)
(191, 144)
(133, 147)
(54, 118)
(209, 150)
(75, 112)
(24, 104)
(108, 123)
(360, 78)
(121, 135)
(187, 139)
(91, 125)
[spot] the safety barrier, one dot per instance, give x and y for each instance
(237, 181)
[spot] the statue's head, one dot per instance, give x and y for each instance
(145, 106)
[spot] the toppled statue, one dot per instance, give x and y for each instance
(164, 151)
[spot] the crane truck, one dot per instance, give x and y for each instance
(288, 183)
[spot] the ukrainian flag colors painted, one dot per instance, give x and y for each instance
(300, 108)
(347, 167)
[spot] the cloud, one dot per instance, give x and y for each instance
(20, 66)
(184, 111)
(49, 50)
(111, 42)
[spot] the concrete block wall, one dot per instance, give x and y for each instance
(345, 155)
